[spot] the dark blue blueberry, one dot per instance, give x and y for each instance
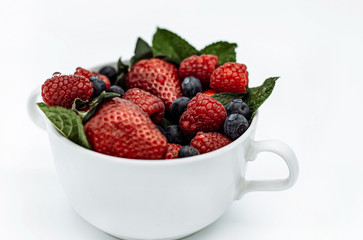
(98, 85)
(110, 72)
(178, 107)
(239, 107)
(116, 89)
(175, 135)
(235, 125)
(161, 129)
(187, 151)
(191, 86)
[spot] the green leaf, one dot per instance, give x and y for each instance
(169, 44)
(228, 97)
(96, 103)
(67, 123)
(142, 51)
(253, 97)
(122, 70)
(258, 95)
(225, 51)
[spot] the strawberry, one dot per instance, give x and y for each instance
(151, 104)
(230, 77)
(120, 128)
(207, 142)
(86, 73)
(172, 151)
(62, 90)
(200, 67)
(203, 113)
(157, 77)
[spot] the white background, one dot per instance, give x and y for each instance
(316, 48)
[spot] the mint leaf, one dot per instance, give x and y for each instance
(228, 97)
(122, 70)
(67, 123)
(142, 51)
(95, 104)
(169, 44)
(253, 97)
(225, 51)
(258, 95)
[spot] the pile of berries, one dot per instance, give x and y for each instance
(133, 124)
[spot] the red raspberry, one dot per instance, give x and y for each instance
(209, 92)
(62, 90)
(122, 129)
(203, 113)
(200, 67)
(172, 151)
(84, 72)
(230, 77)
(207, 142)
(151, 104)
(157, 77)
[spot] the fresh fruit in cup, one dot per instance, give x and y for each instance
(172, 101)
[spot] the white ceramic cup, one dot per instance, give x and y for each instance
(159, 199)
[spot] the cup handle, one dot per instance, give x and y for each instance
(286, 153)
(33, 110)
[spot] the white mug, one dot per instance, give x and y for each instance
(159, 199)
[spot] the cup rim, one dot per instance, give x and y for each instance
(155, 162)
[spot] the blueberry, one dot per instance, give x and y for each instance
(175, 135)
(110, 72)
(161, 129)
(235, 125)
(116, 89)
(98, 85)
(191, 86)
(178, 107)
(187, 151)
(239, 107)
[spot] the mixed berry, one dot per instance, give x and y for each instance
(160, 108)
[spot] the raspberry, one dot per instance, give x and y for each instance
(151, 104)
(203, 113)
(207, 142)
(84, 72)
(200, 67)
(230, 77)
(172, 151)
(120, 128)
(157, 77)
(62, 90)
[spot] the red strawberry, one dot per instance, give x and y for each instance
(157, 77)
(172, 151)
(200, 67)
(230, 77)
(122, 129)
(207, 142)
(209, 92)
(203, 113)
(151, 104)
(62, 90)
(84, 72)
